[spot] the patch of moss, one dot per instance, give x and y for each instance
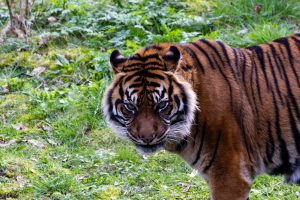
(25, 59)
(15, 166)
(6, 59)
(13, 101)
(9, 190)
(110, 192)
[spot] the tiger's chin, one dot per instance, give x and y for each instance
(149, 149)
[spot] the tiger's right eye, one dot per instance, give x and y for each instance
(130, 107)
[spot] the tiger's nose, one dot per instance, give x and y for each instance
(147, 138)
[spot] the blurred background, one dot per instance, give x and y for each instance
(54, 143)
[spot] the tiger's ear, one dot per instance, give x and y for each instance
(117, 61)
(172, 58)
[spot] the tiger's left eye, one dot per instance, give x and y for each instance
(161, 105)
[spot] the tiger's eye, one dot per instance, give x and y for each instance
(130, 106)
(161, 105)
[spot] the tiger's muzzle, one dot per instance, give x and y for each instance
(148, 131)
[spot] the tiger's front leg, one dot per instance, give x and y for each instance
(228, 184)
(227, 190)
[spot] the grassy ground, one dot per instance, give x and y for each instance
(54, 143)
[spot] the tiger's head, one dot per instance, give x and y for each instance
(148, 101)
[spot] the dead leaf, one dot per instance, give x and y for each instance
(9, 143)
(38, 56)
(19, 127)
(51, 142)
(145, 156)
(257, 8)
(243, 31)
(38, 70)
(79, 178)
(35, 143)
(52, 19)
(44, 127)
(21, 181)
(4, 89)
(47, 128)
(186, 188)
(20, 34)
(43, 40)
(34, 159)
(193, 173)
(86, 129)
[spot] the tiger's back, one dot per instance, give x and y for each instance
(276, 103)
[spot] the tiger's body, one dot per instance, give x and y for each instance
(248, 116)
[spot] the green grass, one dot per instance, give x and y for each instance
(54, 143)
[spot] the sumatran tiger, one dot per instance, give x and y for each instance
(230, 113)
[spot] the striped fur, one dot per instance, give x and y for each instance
(248, 121)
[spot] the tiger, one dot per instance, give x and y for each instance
(230, 113)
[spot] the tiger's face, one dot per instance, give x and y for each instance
(147, 102)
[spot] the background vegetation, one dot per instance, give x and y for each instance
(54, 143)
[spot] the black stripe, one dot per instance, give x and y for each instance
(170, 89)
(227, 58)
(139, 66)
(163, 92)
(236, 57)
(227, 81)
(257, 82)
(217, 52)
(121, 92)
(183, 97)
(177, 101)
(240, 118)
(274, 78)
(297, 43)
(127, 95)
(144, 73)
(284, 155)
(289, 89)
(252, 83)
(270, 148)
(261, 58)
(285, 42)
(136, 85)
(214, 49)
(196, 125)
(203, 132)
(154, 84)
(133, 91)
(214, 154)
(204, 52)
(194, 57)
(243, 65)
(278, 62)
(154, 46)
(144, 58)
(293, 124)
(182, 144)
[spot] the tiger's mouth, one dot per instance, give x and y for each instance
(149, 148)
